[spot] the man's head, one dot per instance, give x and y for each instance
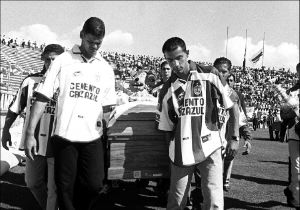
(92, 34)
(223, 65)
(165, 71)
(231, 80)
(174, 50)
(50, 52)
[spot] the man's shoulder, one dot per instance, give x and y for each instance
(31, 78)
(165, 88)
(207, 69)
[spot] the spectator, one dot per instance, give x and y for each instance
(78, 149)
(23, 43)
(39, 173)
(276, 126)
(29, 44)
(175, 120)
(165, 73)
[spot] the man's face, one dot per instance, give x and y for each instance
(178, 61)
(223, 69)
(230, 81)
(49, 58)
(166, 72)
(90, 44)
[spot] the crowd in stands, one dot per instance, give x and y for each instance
(14, 42)
(251, 82)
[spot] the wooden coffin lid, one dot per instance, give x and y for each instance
(135, 121)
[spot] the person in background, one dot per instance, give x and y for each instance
(165, 73)
(255, 120)
(86, 96)
(276, 126)
(224, 67)
(244, 129)
(289, 113)
(39, 173)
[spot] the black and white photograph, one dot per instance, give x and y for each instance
(149, 105)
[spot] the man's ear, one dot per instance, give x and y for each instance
(187, 52)
(42, 57)
(81, 34)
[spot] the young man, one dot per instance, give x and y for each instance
(86, 92)
(224, 66)
(188, 115)
(39, 175)
(165, 73)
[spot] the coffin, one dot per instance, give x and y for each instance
(136, 149)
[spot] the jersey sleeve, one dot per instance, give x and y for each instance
(224, 89)
(164, 122)
(20, 100)
(49, 83)
(109, 94)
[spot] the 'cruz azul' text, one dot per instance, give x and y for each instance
(84, 90)
(192, 106)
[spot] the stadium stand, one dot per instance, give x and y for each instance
(17, 62)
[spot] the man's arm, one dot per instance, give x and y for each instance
(108, 114)
(15, 108)
(232, 132)
(168, 136)
(36, 113)
(9, 120)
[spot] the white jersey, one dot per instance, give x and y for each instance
(84, 87)
(189, 109)
(24, 98)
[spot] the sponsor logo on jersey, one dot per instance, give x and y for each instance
(196, 88)
(205, 138)
(77, 73)
(192, 106)
(84, 90)
(43, 80)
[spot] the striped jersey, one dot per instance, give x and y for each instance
(85, 86)
(188, 108)
(24, 99)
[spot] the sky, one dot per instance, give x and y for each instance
(141, 27)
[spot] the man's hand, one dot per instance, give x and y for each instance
(248, 146)
(30, 146)
(6, 138)
(231, 149)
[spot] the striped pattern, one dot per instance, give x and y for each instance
(24, 99)
(190, 110)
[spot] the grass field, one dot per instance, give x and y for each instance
(258, 181)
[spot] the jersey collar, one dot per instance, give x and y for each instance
(76, 50)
